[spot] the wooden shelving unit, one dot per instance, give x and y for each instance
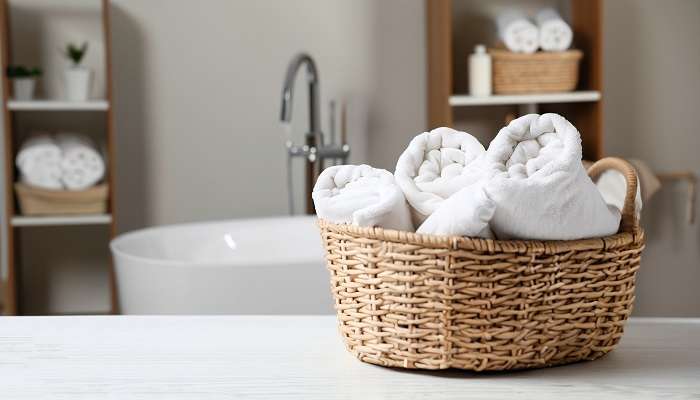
(62, 220)
(16, 222)
(582, 107)
(58, 105)
(520, 99)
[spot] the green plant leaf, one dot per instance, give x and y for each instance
(76, 53)
(20, 71)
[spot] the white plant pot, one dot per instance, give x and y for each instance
(23, 88)
(78, 81)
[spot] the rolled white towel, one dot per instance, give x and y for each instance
(436, 165)
(554, 33)
(362, 196)
(517, 32)
(465, 213)
(39, 162)
(539, 185)
(82, 165)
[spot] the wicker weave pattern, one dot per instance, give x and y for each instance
(541, 72)
(436, 302)
(37, 201)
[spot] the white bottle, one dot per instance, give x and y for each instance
(480, 72)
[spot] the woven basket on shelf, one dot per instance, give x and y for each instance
(36, 201)
(541, 72)
(435, 302)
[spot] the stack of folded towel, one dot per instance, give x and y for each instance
(63, 161)
(529, 184)
(549, 31)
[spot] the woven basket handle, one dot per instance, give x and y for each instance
(629, 221)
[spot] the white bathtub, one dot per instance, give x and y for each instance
(254, 266)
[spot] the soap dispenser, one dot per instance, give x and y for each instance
(480, 72)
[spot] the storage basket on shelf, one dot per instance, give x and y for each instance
(36, 201)
(435, 302)
(541, 72)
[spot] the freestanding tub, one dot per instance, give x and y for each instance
(254, 266)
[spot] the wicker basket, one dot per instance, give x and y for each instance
(35, 201)
(540, 72)
(435, 302)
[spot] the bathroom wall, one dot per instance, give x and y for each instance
(198, 97)
(652, 98)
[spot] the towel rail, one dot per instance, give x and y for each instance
(691, 179)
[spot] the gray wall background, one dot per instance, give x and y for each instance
(197, 89)
(652, 99)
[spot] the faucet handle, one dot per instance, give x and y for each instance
(331, 122)
(344, 124)
(312, 154)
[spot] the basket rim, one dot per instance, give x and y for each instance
(502, 54)
(24, 188)
(618, 240)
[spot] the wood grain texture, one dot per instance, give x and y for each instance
(587, 24)
(111, 144)
(10, 301)
(439, 61)
(186, 357)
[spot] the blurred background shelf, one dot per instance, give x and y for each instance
(33, 33)
(62, 220)
(58, 105)
(455, 27)
(544, 98)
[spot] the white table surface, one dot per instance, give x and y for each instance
(173, 357)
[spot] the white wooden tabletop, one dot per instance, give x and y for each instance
(174, 357)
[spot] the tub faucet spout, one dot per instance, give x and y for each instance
(288, 92)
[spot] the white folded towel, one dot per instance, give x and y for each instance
(465, 213)
(82, 164)
(362, 196)
(554, 33)
(539, 185)
(517, 32)
(436, 165)
(39, 162)
(612, 186)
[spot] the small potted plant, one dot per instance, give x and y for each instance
(77, 77)
(23, 81)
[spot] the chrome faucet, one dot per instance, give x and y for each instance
(314, 149)
(288, 93)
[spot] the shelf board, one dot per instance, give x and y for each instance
(58, 105)
(501, 99)
(57, 220)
